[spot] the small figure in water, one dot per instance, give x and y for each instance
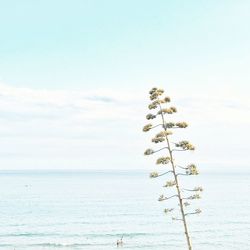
(119, 242)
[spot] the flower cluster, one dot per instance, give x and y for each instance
(181, 124)
(162, 198)
(158, 139)
(170, 184)
(175, 125)
(194, 197)
(185, 145)
(153, 105)
(192, 170)
(197, 211)
(149, 151)
(168, 210)
(170, 110)
(163, 160)
(154, 175)
(164, 134)
(153, 90)
(168, 125)
(198, 189)
(150, 116)
(147, 127)
(155, 93)
(167, 99)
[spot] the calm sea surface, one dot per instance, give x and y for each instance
(91, 210)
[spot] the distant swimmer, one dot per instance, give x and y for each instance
(119, 243)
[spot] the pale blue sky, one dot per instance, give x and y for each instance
(111, 52)
(57, 44)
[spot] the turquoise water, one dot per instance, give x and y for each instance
(91, 210)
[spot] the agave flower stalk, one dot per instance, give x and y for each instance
(168, 159)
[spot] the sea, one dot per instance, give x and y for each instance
(91, 210)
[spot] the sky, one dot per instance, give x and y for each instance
(75, 75)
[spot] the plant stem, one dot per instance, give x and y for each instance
(177, 184)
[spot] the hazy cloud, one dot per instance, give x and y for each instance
(98, 128)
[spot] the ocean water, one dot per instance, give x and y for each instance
(92, 209)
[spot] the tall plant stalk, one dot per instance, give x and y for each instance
(176, 180)
(168, 159)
